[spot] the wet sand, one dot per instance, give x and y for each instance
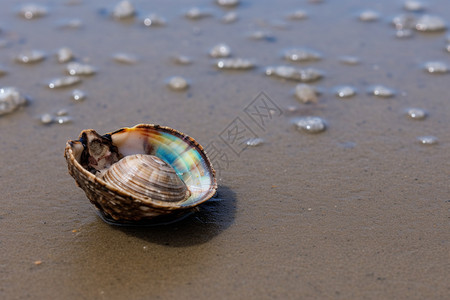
(359, 211)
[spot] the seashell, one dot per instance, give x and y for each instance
(147, 176)
(146, 173)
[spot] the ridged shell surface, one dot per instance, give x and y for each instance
(92, 156)
(147, 176)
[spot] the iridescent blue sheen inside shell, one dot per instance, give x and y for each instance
(183, 153)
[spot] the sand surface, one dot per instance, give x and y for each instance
(360, 211)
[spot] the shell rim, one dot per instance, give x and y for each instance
(147, 201)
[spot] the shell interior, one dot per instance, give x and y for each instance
(181, 152)
(178, 151)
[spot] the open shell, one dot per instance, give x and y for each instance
(91, 157)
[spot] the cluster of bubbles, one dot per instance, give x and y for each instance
(11, 99)
(414, 19)
(305, 92)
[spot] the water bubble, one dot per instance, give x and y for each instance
(404, 21)
(428, 140)
(63, 81)
(414, 5)
(298, 15)
(46, 119)
(124, 10)
(177, 83)
(230, 17)
(286, 72)
(30, 57)
(76, 68)
(196, 13)
(292, 109)
(78, 95)
(62, 112)
(292, 73)
(260, 35)
(63, 120)
(404, 33)
(182, 60)
(33, 11)
(235, 64)
(220, 50)
(154, 20)
(349, 60)
(436, 67)
(310, 74)
(430, 23)
(11, 99)
(301, 55)
(381, 91)
(369, 16)
(310, 124)
(125, 58)
(228, 3)
(416, 113)
(306, 93)
(253, 142)
(64, 55)
(345, 91)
